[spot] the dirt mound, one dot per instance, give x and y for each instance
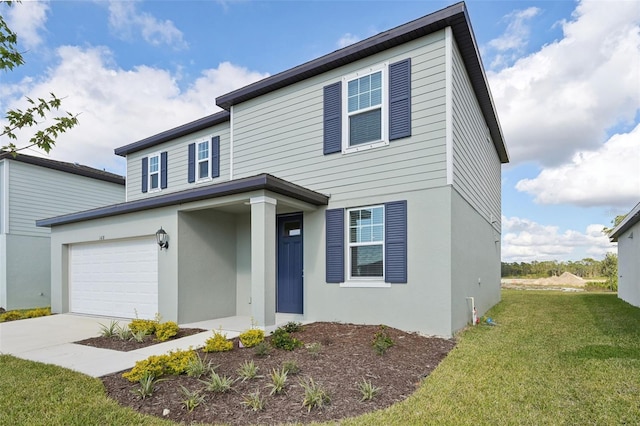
(567, 278)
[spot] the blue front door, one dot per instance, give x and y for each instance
(290, 270)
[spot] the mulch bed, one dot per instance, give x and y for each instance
(345, 359)
(116, 344)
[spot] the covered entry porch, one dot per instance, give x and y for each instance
(221, 259)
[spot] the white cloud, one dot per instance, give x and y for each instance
(524, 240)
(566, 97)
(119, 106)
(347, 40)
(124, 20)
(27, 20)
(608, 176)
(515, 37)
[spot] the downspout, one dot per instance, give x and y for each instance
(474, 312)
(231, 142)
(448, 102)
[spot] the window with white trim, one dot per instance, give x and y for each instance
(154, 172)
(366, 242)
(364, 97)
(203, 163)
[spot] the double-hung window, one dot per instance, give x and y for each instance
(366, 242)
(364, 97)
(154, 172)
(203, 160)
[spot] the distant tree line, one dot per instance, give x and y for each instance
(585, 268)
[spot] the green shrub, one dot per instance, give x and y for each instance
(110, 330)
(382, 341)
(292, 327)
(217, 343)
(290, 367)
(166, 330)
(281, 339)
(38, 312)
(173, 363)
(261, 349)
(251, 338)
(143, 326)
(11, 316)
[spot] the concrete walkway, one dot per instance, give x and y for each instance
(50, 340)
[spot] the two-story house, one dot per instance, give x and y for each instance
(362, 186)
(32, 188)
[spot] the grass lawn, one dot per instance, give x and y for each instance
(554, 358)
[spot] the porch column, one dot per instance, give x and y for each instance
(263, 261)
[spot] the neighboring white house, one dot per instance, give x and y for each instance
(627, 235)
(32, 188)
(362, 186)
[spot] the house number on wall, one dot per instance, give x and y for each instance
(101, 237)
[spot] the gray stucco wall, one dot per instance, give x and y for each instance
(134, 225)
(207, 259)
(475, 268)
(629, 265)
(243, 264)
(28, 265)
(423, 304)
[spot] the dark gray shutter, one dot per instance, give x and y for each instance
(163, 170)
(400, 99)
(332, 118)
(145, 173)
(215, 157)
(395, 241)
(335, 246)
(191, 173)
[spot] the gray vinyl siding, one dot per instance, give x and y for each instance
(476, 165)
(281, 133)
(177, 157)
(38, 192)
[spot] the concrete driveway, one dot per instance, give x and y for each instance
(50, 340)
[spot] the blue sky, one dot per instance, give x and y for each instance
(564, 75)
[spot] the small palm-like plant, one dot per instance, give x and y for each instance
(191, 398)
(254, 401)
(278, 381)
(110, 330)
(248, 370)
(367, 390)
(147, 386)
(217, 383)
(314, 394)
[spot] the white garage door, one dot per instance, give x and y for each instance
(114, 278)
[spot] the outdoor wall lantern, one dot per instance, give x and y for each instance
(163, 238)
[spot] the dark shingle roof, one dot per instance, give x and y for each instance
(73, 168)
(631, 219)
(454, 16)
(260, 182)
(185, 129)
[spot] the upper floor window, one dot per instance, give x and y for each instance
(203, 160)
(367, 109)
(154, 172)
(365, 120)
